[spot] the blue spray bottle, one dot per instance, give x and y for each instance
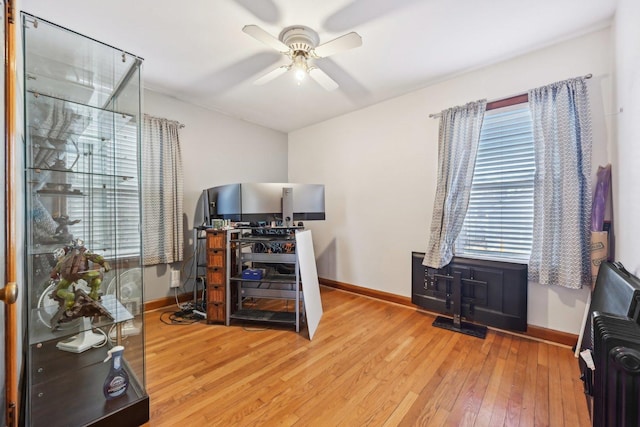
(117, 381)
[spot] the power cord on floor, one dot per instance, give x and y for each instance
(183, 317)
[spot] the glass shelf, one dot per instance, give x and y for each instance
(43, 331)
(66, 137)
(64, 178)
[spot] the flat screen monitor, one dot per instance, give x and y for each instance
(255, 202)
(225, 203)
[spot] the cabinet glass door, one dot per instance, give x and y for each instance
(84, 279)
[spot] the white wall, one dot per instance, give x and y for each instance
(626, 155)
(379, 167)
(216, 149)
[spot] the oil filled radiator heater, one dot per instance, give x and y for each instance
(612, 338)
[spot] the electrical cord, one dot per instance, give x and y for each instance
(112, 333)
(192, 261)
(182, 306)
(104, 341)
(179, 318)
(191, 258)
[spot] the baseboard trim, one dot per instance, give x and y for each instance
(385, 296)
(545, 334)
(535, 332)
(166, 302)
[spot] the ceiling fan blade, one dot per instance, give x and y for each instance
(265, 10)
(322, 79)
(350, 87)
(271, 75)
(266, 38)
(359, 12)
(221, 81)
(342, 43)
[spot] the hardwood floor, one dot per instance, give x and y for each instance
(371, 363)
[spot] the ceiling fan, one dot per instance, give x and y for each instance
(300, 44)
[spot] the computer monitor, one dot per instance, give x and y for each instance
(255, 202)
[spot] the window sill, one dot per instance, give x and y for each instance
(493, 258)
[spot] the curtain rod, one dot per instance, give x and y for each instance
(180, 125)
(437, 115)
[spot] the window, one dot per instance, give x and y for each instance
(499, 220)
(108, 177)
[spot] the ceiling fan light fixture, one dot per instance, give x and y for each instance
(300, 43)
(300, 74)
(300, 67)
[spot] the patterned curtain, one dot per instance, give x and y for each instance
(458, 140)
(162, 240)
(562, 186)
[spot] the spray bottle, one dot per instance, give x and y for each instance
(117, 382)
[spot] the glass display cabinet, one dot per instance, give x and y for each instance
(82, 102)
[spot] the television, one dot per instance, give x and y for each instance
(266, 202)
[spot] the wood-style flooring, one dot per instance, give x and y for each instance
(371, 363)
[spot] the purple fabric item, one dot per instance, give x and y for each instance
(600, 197)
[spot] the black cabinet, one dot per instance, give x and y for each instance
(491, 293)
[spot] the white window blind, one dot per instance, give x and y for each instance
(108, 169)
(499, 219)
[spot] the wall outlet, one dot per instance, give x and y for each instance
(175, 279)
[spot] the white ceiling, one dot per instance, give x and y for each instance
(195, 50)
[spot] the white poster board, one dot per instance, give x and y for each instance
(309, 276)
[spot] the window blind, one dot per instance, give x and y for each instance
(108, 166)
(499, 219)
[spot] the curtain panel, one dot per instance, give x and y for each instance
(562, 189)
(458, 138)
(162, 192)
